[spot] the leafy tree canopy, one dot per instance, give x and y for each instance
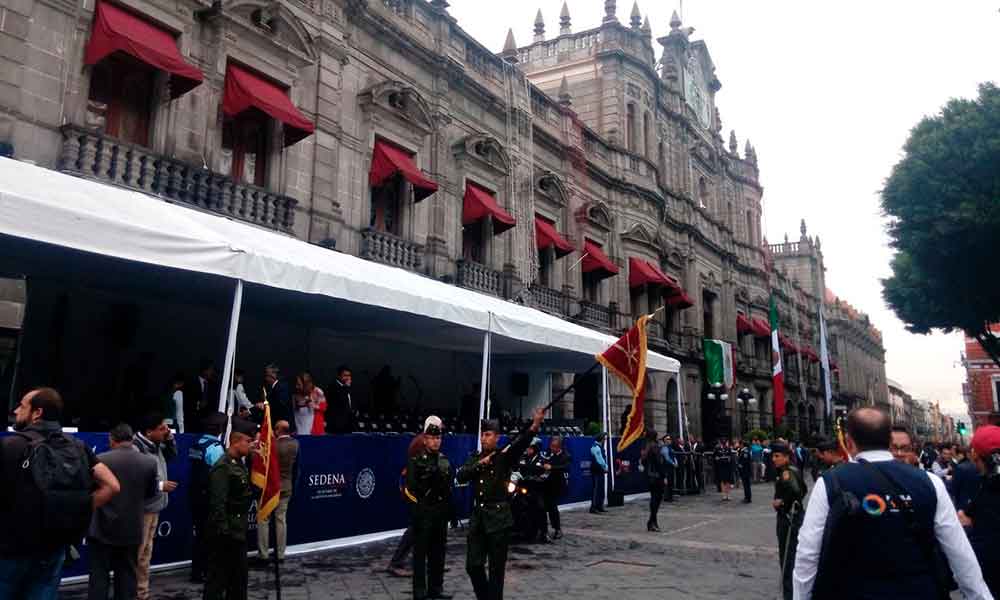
(943, 202)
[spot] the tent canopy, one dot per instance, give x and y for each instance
(54, 208)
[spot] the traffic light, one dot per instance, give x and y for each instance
(960, 427)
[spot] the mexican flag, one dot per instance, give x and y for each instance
(778, 374)
(719, 363)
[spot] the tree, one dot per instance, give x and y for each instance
(943, 204)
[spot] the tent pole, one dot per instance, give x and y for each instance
(483, 383)
(227, 368)
(680, 406)
(607, 427)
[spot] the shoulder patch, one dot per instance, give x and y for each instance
(786, 475)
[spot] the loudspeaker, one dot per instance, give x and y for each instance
(519, 384)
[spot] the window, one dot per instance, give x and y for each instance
(245, 144)
(546, 260)
(120, 92)
(473, 247)
(750, 236)
(637, 295)
(630, 127)
(592, 288)
(702, 192)
(708, 303)
(647, 135)
(385, 209)
(996, 393)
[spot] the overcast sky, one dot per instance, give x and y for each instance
(827, 93)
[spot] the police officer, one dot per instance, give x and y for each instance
(533, 476)
(744, 460)
(428, 480)
(203, 455)
(490, 523)
(789, 491)
(228, 506)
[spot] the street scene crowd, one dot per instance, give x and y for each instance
(886, 518)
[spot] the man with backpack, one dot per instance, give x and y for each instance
(879, 528)
(156, 440)
(50, 484)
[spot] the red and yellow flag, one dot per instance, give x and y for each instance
(626, 358)
(266, 472)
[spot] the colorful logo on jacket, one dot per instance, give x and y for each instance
(874, 505)
(365, 485)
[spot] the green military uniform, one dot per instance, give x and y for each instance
(790, 488)
(228, 506)
(428, 482)
(491, 521)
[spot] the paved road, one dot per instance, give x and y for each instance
(707, 549)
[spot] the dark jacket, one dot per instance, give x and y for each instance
(559, 465)
(964, 484)
(279, 397)
(198, 403)
(339, 409)
(119, 522)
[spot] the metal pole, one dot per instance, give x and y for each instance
(607, 424)
(680, 406)
(483, 383)
(234, 325)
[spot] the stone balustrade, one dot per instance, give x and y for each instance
(95, 156)
(392, 250)
(479, 277)
(595, 315)
(549, 300)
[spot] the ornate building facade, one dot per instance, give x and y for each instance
(982, 387)
(585, 174)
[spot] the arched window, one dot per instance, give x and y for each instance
(702, 192)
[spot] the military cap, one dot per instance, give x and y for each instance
(827, 445)
(432, 429)
(245, 427)
(491, 425)
(780, 448)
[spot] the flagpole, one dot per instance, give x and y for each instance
(227, 368)
(607, 427)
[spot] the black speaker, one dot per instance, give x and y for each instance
(519, 384)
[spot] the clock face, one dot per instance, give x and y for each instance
(695, 90)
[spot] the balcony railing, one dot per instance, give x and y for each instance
(551, 301)
(94, 156)
(595, 315)
(479, 277)
(389, 249)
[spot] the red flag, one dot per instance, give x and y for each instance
(838, 423)
(266, 473)
(626, 358)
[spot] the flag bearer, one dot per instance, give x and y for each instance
(428, 481)
(789, 491)
(490, 524)
(228, 505)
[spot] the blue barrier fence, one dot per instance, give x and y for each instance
(348, 486)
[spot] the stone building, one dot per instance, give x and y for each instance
(982, 382)
(584, 174)
(901, 405)
(857, 350)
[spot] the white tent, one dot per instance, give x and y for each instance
(51, 207)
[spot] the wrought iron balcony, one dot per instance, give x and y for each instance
(594, 315)
(95, 156)
(549, 300)
(479, 277)
(389, 249)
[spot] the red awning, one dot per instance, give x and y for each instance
(117, 30)
(546, 236)
(787, 344)
(388, 159)
(761, 328)
(244, 90)
(834, 366)
(743, 325)
(679, 301)
(809, 353)
(642, 271)
(480, 203)
(596, 261)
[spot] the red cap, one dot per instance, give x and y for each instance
(986, 440)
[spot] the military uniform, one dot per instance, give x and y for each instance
(228, 507)
(428, 482)
(744, 461)
(491, 520)
(790, 488)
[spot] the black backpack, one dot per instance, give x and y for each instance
(59, 507)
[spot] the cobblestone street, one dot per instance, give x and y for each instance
(707, 549)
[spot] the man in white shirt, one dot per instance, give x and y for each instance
(883, 548)
(944, 466)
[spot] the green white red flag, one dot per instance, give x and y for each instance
(777, 374)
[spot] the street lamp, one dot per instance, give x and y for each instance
(745, 399)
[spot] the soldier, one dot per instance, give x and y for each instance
(228, 506)
(428, 482)
(744, 461)
(490, 524)
(789, 491)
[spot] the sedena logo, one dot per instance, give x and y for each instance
(365, 484)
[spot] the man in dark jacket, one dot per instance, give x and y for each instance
(279, 397)
(201, 397)
(557, 462)
(116, 528)
(340, 405)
